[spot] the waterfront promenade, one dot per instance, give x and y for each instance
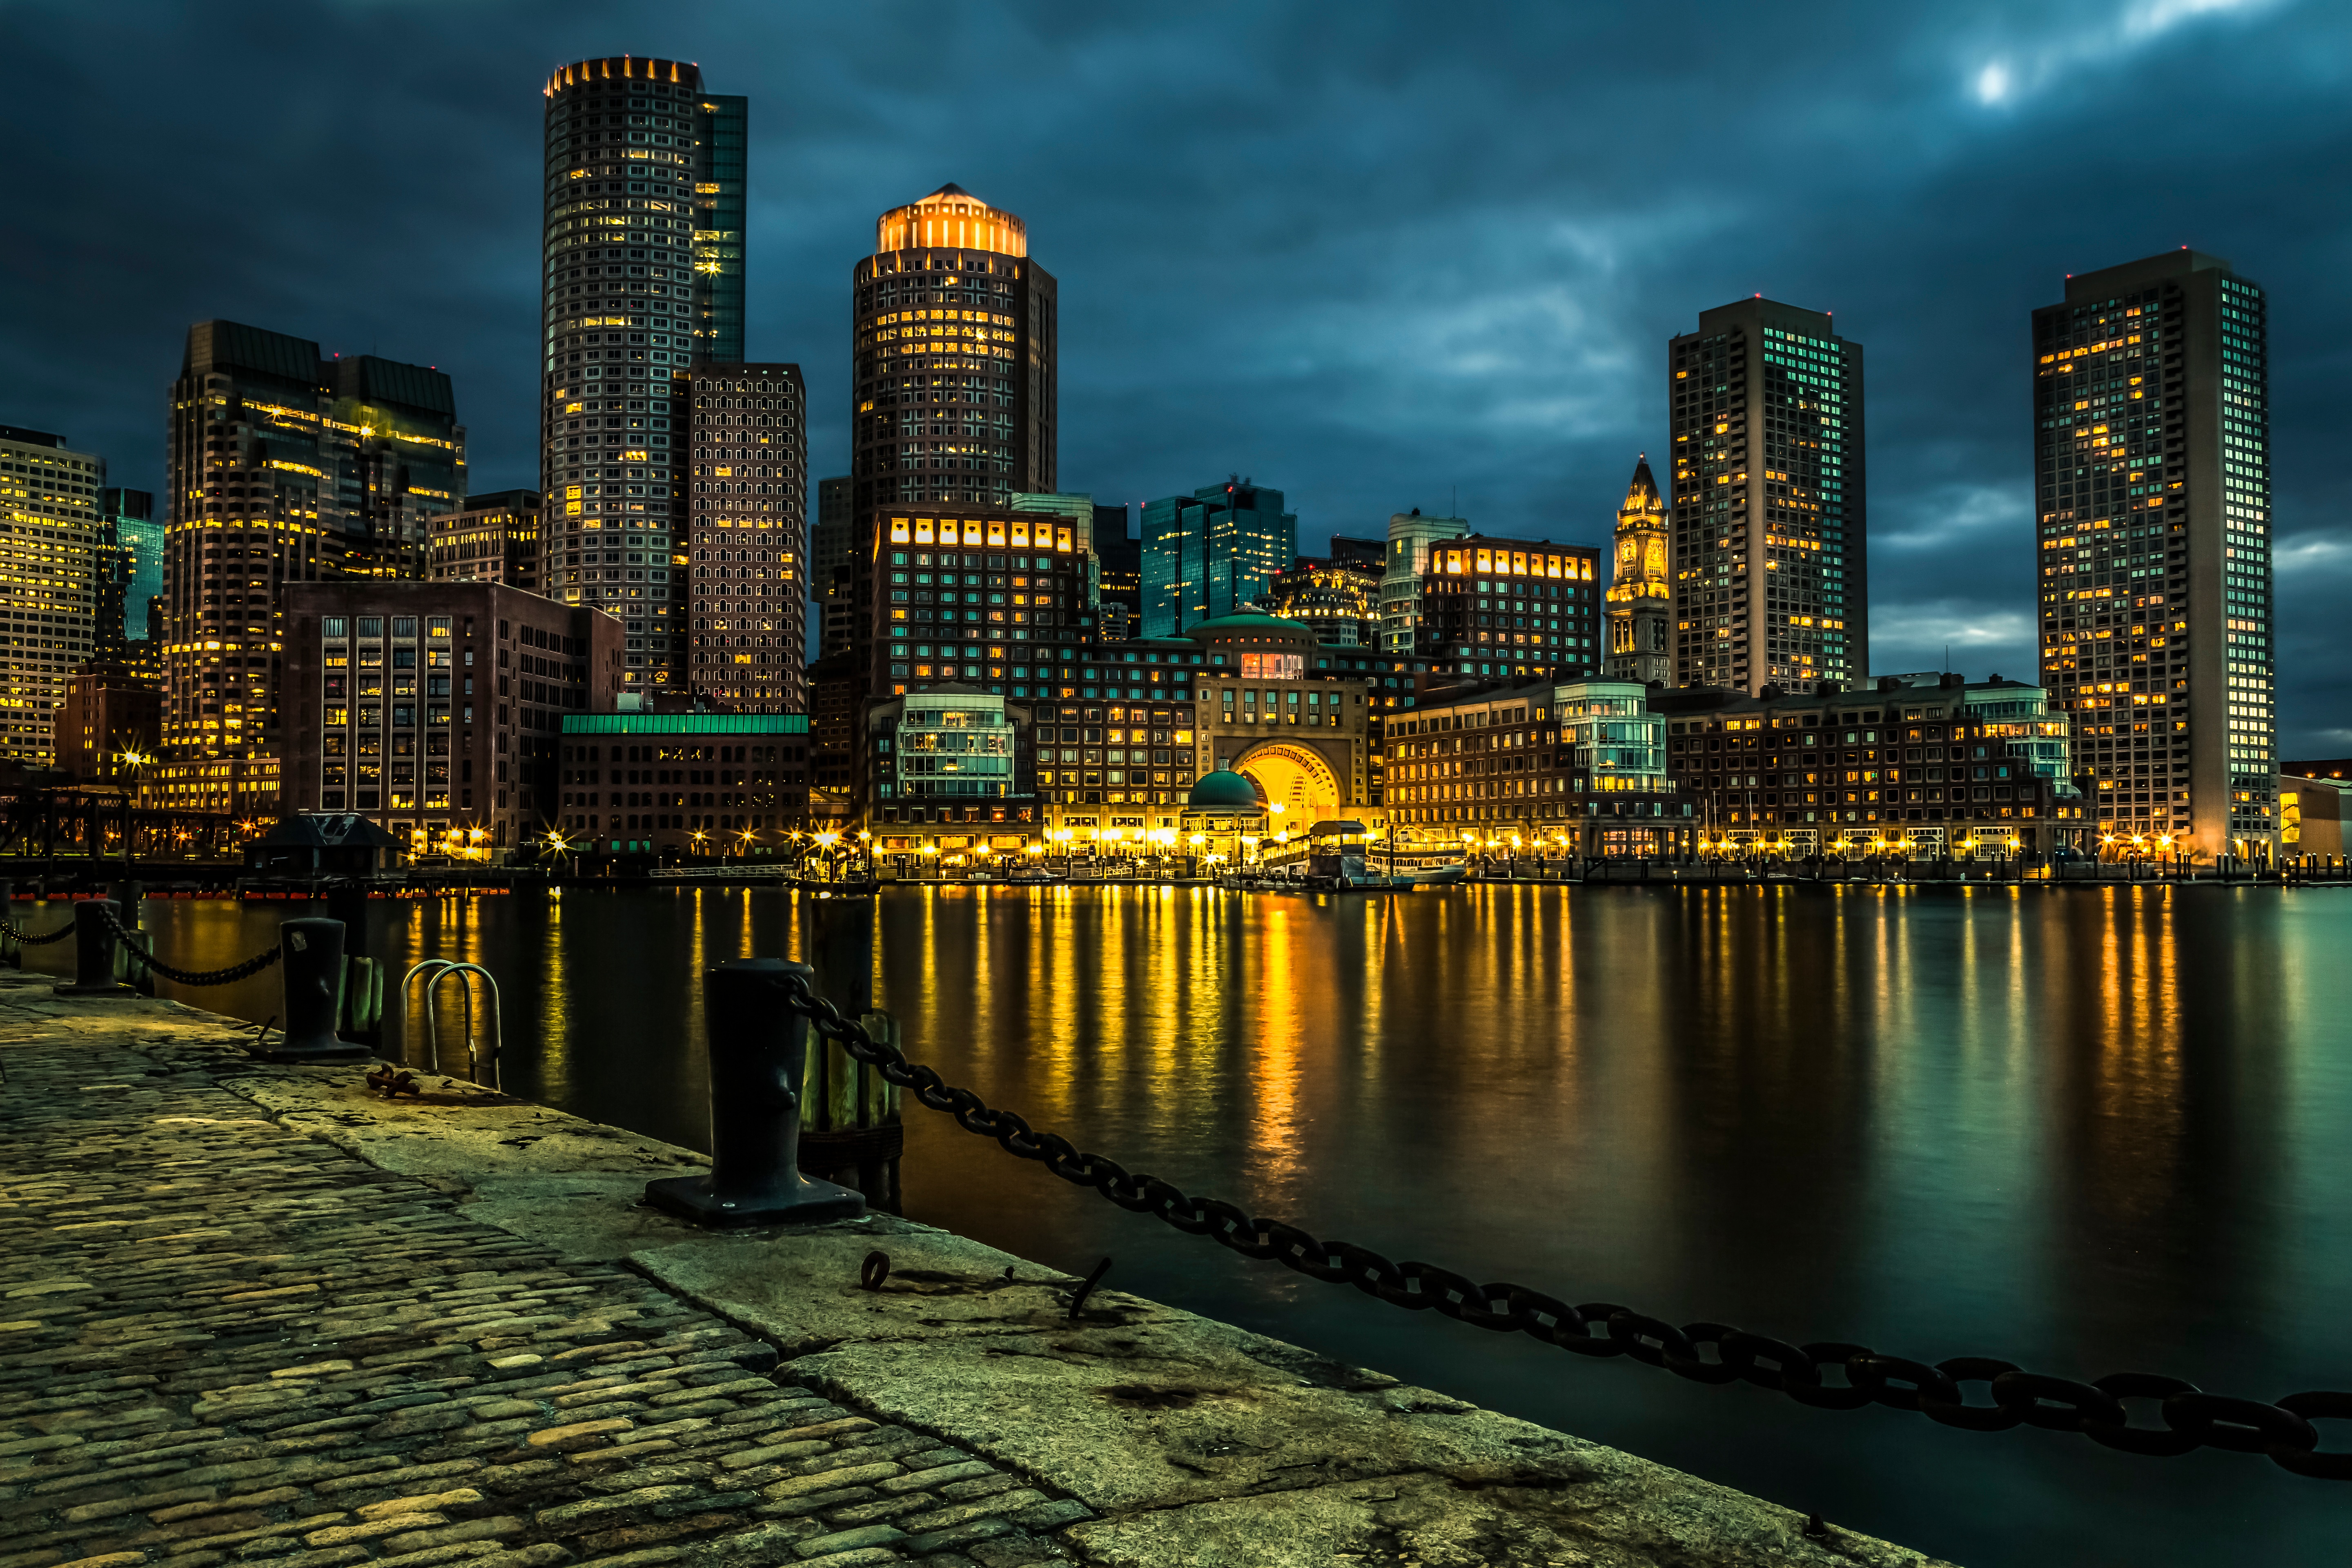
(251, 1314)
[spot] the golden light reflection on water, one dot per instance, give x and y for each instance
(2071, 1063)
(2081, 1129)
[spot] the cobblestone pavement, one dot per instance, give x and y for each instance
(223, 1341)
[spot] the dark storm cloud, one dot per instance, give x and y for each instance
(1373, 255)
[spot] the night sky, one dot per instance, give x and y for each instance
(1375, 256)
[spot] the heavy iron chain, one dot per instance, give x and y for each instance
(29, 940)
(138, 954)
(2099, 1410)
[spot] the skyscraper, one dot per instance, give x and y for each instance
(833, 568)
(135, 582)
(2152, 495)
(749, 536)
(1770, 510)
(1409, 537)
(50, 560)
(1641, 593)
(643, 279)
(954, 388)
(1212, 552)
(284, 468)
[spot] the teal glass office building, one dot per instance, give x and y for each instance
(1212, 552)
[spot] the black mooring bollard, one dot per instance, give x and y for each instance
(312, 954)
(94, 953)
(758, 1055)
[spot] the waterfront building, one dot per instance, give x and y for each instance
(1272, 708)
(1537, 767)
(1770, 499)
(247, 788)
(111, 716)
(1931, 760)
(1212, 554)
(642, 279)
(684, 787)
(130, 581)
(1406, 563)
(950, 768)
(284, 468)
(1223, 820)
(50, 561)
(2152, 490)
(1339, 598)
(493, 538)
(1207, 668)
(1114, 741)
(2311, 815)
(1113, 772)
(1491, 608)
(435, 707)
(746, 536)
(832, 570)
(954, 388)
(1640, 589)
(963, 594)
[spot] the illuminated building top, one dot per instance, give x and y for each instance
(950, 218)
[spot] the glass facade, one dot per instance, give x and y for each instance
(1617, 739)
(950, 744)
(1212, 554)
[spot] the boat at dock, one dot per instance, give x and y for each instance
(1341, 855)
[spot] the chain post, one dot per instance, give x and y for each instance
(12, 952)
(312, 952)
(757, 1057)
(93, 928)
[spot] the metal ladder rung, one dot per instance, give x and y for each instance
(435, 970)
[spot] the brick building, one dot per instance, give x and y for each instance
(1931, 759)
(1577, 767)
(433, 706)
(684, 786)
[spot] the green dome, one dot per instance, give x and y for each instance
(1224, 790)
(1249, 621)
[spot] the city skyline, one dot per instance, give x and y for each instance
(1544, 394)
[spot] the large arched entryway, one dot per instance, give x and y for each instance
(1294, 777)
